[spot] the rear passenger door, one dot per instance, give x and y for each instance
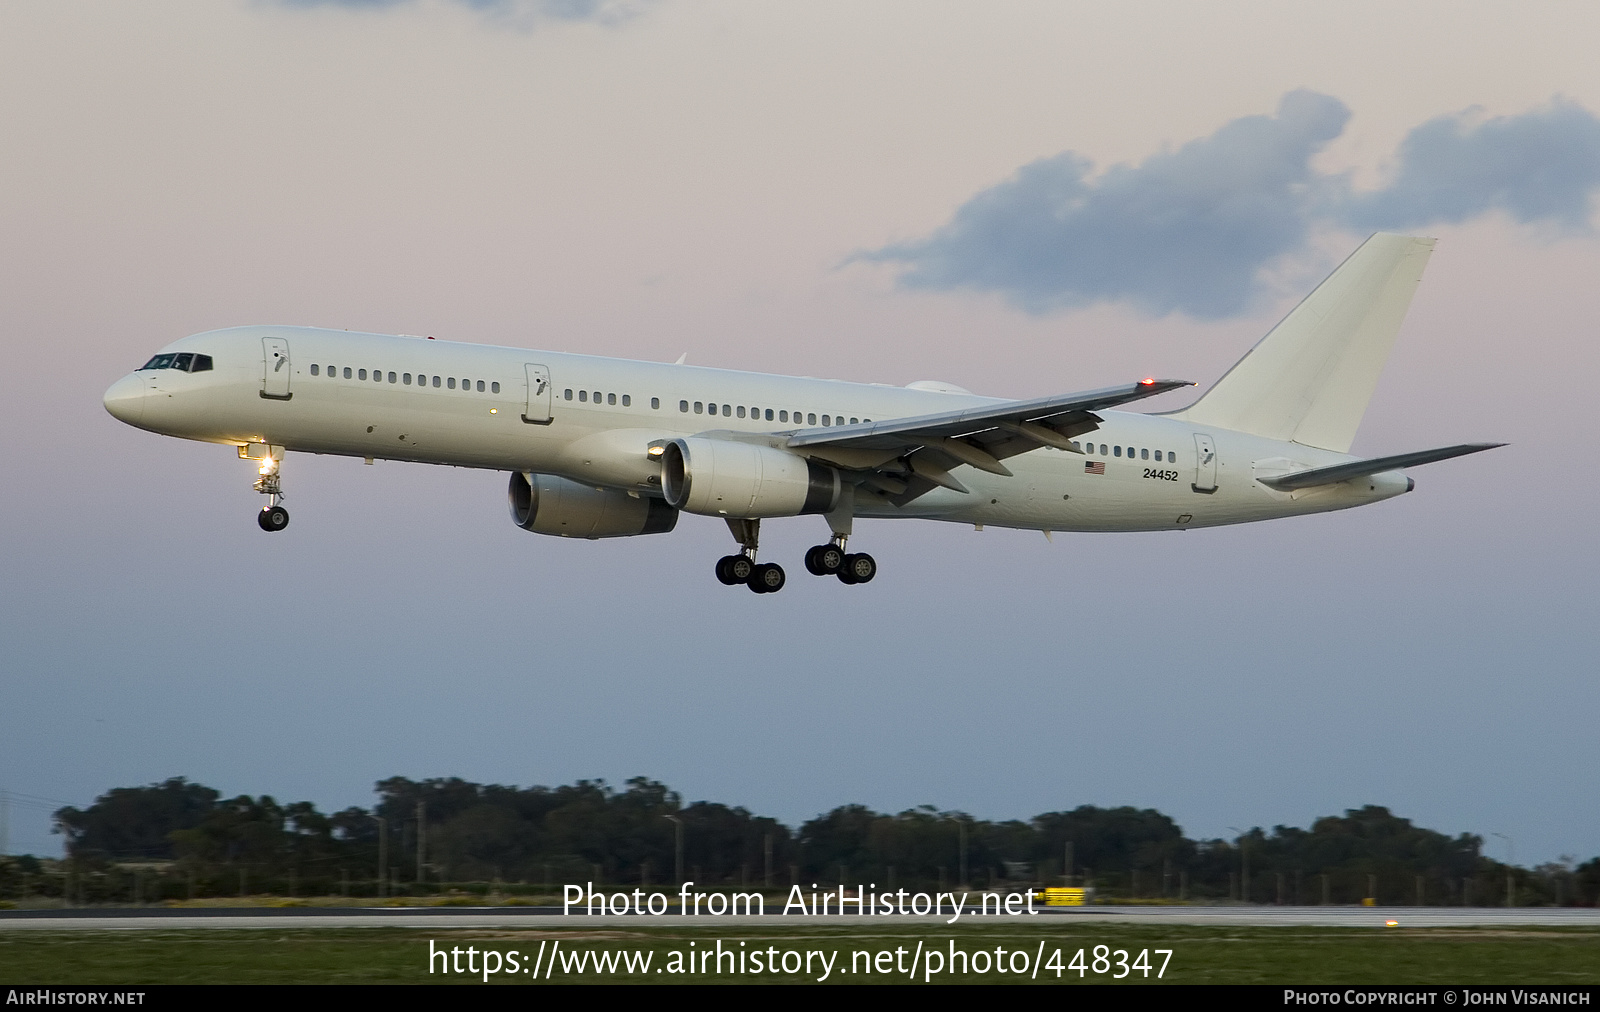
(1205, 464)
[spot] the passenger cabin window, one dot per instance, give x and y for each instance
(811, 419)
(436, 381)
(392, 377)
(494, 387)
(627, 401)
(699, 406)
(655, 404)
(741, 411)
(313, 369)
(611, 398)
(583, 395)
(405, 378)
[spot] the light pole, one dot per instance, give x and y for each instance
(961, 826)
(383, 853)
(1244, 866)
(1511, 861)
(677, 833)
(422, 837)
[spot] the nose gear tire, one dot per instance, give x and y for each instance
(273, 518)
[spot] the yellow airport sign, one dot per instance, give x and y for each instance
(1060, 897)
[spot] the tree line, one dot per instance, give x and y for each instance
(178, 839)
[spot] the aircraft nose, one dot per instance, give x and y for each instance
(125, 399)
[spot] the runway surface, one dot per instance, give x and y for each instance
(551, 918)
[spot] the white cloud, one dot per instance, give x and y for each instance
(1194, 230)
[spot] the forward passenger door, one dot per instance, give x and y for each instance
(275, 362)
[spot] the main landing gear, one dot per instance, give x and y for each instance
(273, 517)
(761, 577)
(832, 560)
(768, 577)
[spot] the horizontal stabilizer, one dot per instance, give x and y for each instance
(1336, 473)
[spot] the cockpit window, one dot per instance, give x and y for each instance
(188, 361)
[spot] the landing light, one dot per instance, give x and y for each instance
(656, 451)
(1148, 381)
(1391, 924)
(494, 411)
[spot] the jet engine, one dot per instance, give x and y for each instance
(721, 477)
(545, 504)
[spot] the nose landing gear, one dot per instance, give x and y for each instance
(273, 517)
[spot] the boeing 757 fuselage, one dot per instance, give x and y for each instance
(601, 447)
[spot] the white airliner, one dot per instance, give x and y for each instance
(601, 447)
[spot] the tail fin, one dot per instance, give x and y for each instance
(1309, 380)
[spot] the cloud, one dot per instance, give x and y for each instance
(520, 13)
(1542, 166)
(1194, 230)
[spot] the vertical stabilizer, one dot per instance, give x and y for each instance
(1309, 380)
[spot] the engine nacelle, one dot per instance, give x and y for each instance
(545, 504)
(724, 478)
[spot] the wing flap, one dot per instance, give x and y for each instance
(1006, 423)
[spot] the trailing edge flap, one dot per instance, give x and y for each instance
(998, 429)
(1336, 473)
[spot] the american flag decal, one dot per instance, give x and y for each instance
(1094, 467)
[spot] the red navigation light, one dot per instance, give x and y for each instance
(1148, 381)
